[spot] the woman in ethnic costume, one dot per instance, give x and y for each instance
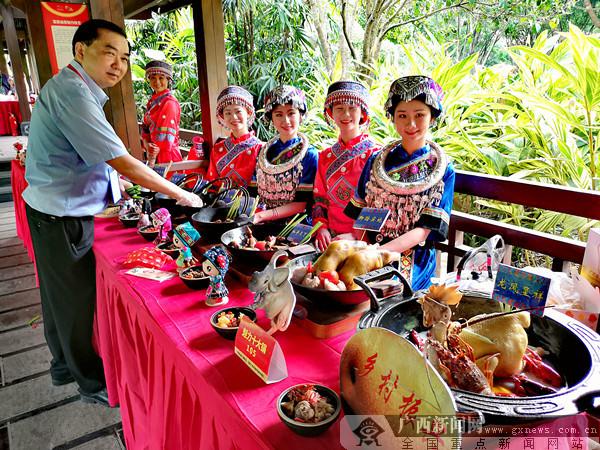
(160, 127)
(235, 157)
(413, 178)
(340, 166)
(287, 164)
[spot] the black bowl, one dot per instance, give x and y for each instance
(165, 248)
(229, 333)
(310, 429)
(210, 231)
(148, 235)
(130, 220)
(194, 283)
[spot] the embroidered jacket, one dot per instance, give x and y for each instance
(338, 171)
(234, 158)
(285, 172)
(161, 126)
(407, 168)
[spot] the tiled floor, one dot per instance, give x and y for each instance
(34, 415)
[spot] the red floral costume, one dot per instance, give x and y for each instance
(161, 126)
(338, 171)
(235, 158)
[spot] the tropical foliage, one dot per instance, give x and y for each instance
(521, 80)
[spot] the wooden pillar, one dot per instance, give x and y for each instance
(37, 37)
(121, 106)
(32, 68)
(14, 52)
(209, 30)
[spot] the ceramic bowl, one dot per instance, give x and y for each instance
(148, 232)
(194, 283)
(310, 429)
(229, 333)
(130, 220)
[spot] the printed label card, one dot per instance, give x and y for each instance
(260, 351)
(521, 289)
(371, 219)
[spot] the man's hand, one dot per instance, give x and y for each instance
(189, 199)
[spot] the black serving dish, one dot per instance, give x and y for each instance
(168, 248)
(249, 261)
(194, 283)
(147, 234)
(310, 429)
(320, 295)
(230, 332)
(130, 220)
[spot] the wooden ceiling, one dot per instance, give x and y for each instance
(142, 9)
(133, 9)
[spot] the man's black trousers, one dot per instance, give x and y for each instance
(67, 274)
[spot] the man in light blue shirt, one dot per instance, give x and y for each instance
(72, 156)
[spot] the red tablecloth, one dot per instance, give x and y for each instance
(18, 184)
(179, 384)
(7, 107)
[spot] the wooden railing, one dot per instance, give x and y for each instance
(559, 199)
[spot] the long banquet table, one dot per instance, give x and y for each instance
(178, 383)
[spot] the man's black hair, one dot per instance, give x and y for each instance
(88, 32)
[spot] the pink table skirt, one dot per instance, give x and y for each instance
(179, 384)
(18, 184)
(6, 109)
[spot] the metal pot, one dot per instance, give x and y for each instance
(574, 350)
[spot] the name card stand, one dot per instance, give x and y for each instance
(371, 219)
(521, 289)
(260, 351)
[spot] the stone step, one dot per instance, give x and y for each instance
(26, 364)
(10, 261)
(21, 339)
(58, 426)
(22, 398)
(12, 250)
(17, 284)
(20, 317)
(22, 270)
(9, 205)
(19, 300)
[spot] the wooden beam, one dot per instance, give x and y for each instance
(209, 32)
(15, 59)
(37, 37)
(561, 199)
(121, 106)
(556, 246)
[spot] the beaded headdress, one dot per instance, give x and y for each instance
(348, 93)
(406, 89)
(235, 95)
(159, 67)
(187, 234)
(285, 95)
(219, 257)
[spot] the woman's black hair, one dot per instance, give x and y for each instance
(88, 32)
